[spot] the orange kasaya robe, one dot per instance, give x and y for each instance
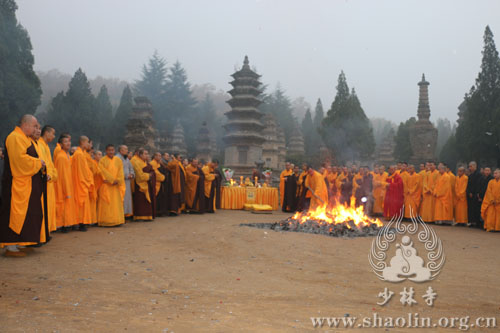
(355, 184)
(413, 194)
(301, 185)
(64, 190)
(379, 188)
(83, 183)
(317, 183)
(208, 172)
(94, 169)
(110, 204)
(191, 184)
(283, 176)
(160, 178)
(490, 208)
(51, 192)
(178, 176)
(332, 190)
(428, 199)
(443, 208)
(452, 182)
(461, 199)
(23, 167)
(56, 151)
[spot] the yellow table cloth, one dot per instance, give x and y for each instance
(235, 197)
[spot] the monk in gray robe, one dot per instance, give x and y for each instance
(128, 173)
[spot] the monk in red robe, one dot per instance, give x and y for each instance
(394, 195)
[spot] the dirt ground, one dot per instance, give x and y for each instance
(204, 273)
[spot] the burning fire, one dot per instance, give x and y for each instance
(338, 214)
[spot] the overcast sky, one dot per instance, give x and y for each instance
(382, 46)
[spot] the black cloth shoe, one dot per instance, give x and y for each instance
(82, 227)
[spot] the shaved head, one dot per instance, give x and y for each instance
(28, 124)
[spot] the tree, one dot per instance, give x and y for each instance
(402, 150)
(478, 131)
(19, 85)
(104, 111)
(122, 115)
(278, 104)
(75, 112)
(307, 132)
(316, 140)
(181, 105)
(346, 130)
(445, 130)
(450, 154)
(153, 84)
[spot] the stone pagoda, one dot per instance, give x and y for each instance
(243, 138)
(385, 151)
(270, 147)
(205, 147)
(423, 134)
(177, 142)
(140, 130)
(281, 148)
(296, 142)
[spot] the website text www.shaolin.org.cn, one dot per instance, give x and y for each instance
(412, 320)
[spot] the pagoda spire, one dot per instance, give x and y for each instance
(424, 111)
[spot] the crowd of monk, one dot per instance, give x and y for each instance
(76, 187)
(471, 197)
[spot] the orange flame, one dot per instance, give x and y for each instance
(338, 214)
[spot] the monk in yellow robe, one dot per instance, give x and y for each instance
(64, 190)
(284, 176)
(83, 183)
(47, 136)
(356, 176)
(21, 217)
(413, 192)
(461, 196)
(303, 195)
(144, 197)
(490, 208)
(428, 199)
(96, 158)
(452, 181)
(195, 188)
(94, 169)
(177, 185)
(160, 178)
(209, 176)
(379, 188)
(443, 208)
(315, 183)
(112, 191)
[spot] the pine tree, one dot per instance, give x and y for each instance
(104, 111)
(316, 140)
(307, 132)
(122, 115)
(346, 130)
(279, 105)
(478, 131)
(75, 111)
(152, 85)
(402, 150)
(181, 105)
(19, 85)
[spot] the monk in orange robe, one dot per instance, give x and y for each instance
(461, 196)
(112, 191)
(64, 190)
(177, 185)
(48, 134)
(443, 208)
(210, 179)
(490, 208)
(413, 192)
(83, 183)
(160, 178)
(144, 197)
(379, 188)
(427, 207)
(315, 184)
(96, 158)
(94, 169)
(21, 217)
(303, 195)
(195, 188)
(284, 176)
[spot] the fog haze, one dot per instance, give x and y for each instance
(382, 46)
